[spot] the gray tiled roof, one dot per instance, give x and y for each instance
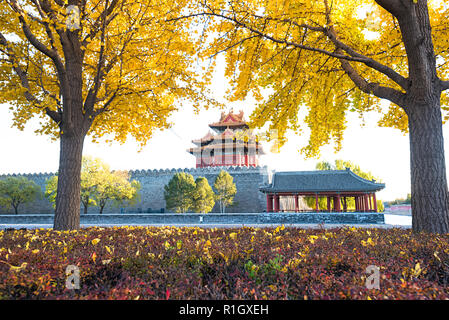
(320, 181)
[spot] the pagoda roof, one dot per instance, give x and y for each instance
(208, 137)
(237, 145)
(226, 134)
(320, 181)
(230, 120)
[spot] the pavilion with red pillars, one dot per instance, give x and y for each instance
(336, 186)
(231, 144)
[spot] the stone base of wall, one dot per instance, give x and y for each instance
(211, 218)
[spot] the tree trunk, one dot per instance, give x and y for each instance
(68, 202)
(16, 209)
(430, 212)
(427, 164)
(101, 209)
(85, 208)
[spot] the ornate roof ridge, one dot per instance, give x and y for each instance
(321, 180)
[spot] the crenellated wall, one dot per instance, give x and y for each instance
(38, 206)
(247, 180)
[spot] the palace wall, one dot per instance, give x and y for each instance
(247, 179)
(38, 206)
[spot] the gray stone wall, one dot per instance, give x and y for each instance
(247, 180)
(39, 206)
(194, 218)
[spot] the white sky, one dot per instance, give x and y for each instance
(383, 151)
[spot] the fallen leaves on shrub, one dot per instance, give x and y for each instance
(245, 263)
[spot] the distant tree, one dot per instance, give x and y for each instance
(117, 187)
(93, 173)
(15, 191)
(178, 193)
(341, 165)
(380, 206)
(51, 186)
(324, 165)
(225, 190)
(99, 185)
(203, 196)
(401, 200)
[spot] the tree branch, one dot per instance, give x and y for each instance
(395, 7)
(351, 55)
(52, 54)
(100, 21)
(55, 116)
(390, 73)
(444, 85)
(379, 91)
(32, 38)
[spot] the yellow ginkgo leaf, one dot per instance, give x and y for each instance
(14, 268)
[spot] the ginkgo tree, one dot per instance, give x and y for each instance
(326, 58)
(107, 68)
(99, 185)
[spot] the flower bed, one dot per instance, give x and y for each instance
(240, 263)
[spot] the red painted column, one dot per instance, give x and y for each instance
(269, 203)
(356, 204)
(365, 203)
(276, 203)
(316, 203)
(296, 203)
(328, 203)
(374, 202)
(338, 203)
(345, 205)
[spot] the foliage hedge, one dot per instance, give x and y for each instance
(240, 263)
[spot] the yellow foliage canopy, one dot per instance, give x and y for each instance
(318, 55)
(134, 64)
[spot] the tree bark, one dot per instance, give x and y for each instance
(68, 202)
(430, 207)
(429, 194)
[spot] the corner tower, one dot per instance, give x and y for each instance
(230, 144)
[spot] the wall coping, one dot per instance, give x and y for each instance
(149, 171)
(198, 214)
